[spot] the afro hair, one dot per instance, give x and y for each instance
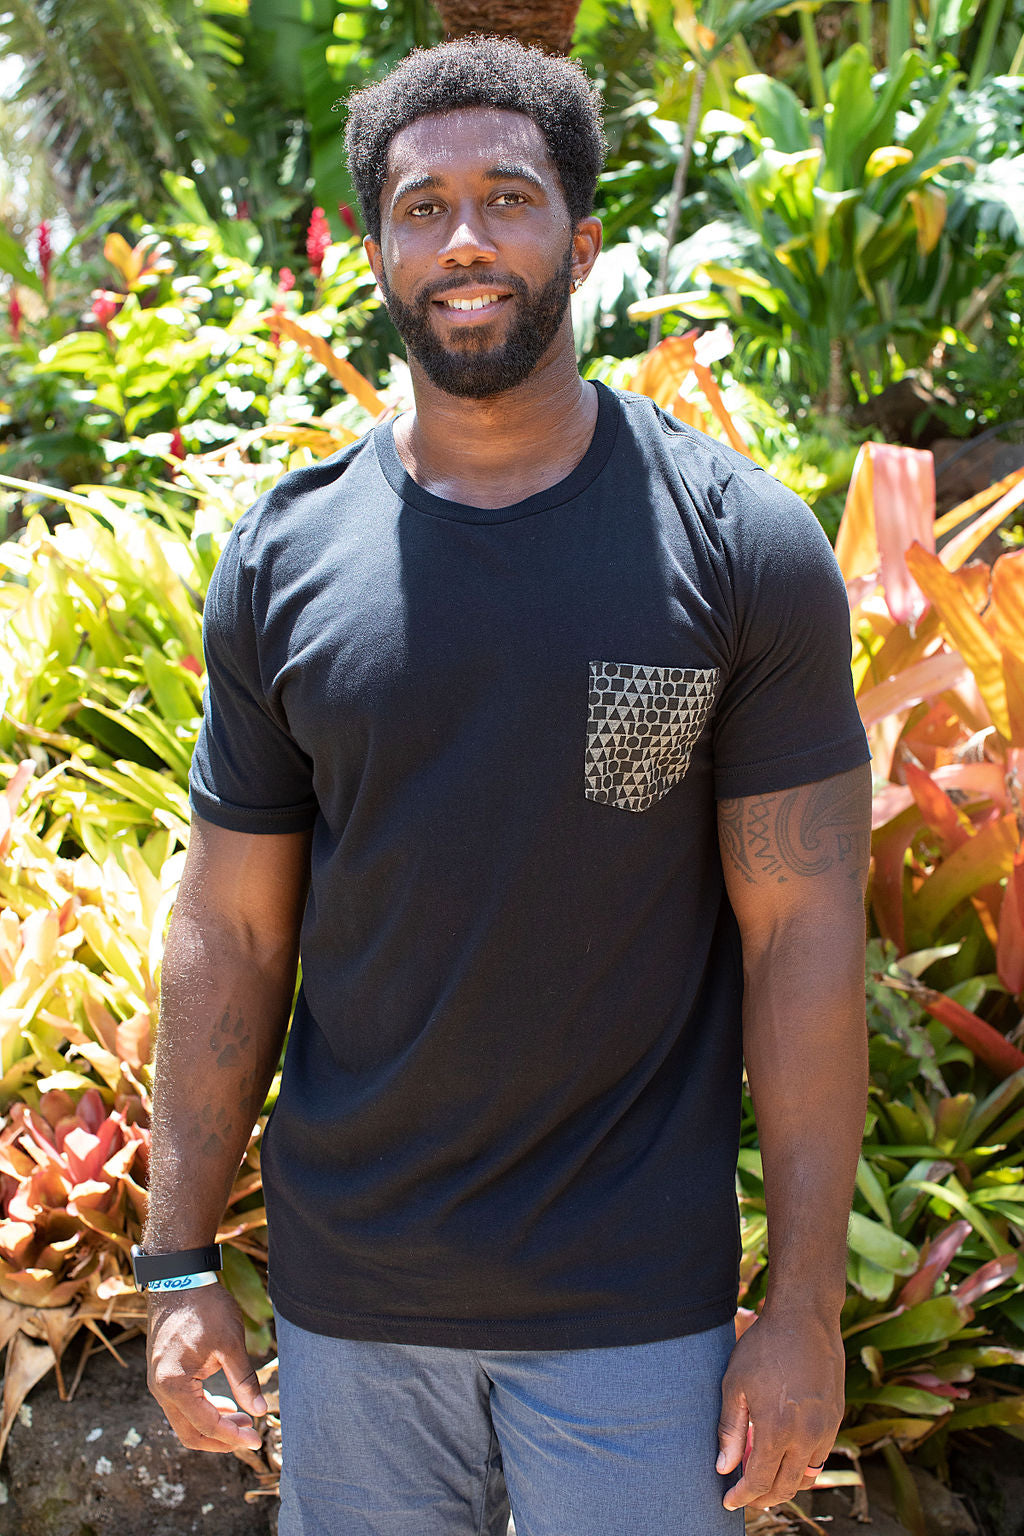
(479, 72)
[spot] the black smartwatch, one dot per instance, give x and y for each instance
(147, 1267)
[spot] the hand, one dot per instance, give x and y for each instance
(786, 1379)
(192, 1335)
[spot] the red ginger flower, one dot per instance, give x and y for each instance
(14, 315)
(285, 284)
(348, 218)
(105, 306)
(177, 446)
(318, 238)
(45, 249)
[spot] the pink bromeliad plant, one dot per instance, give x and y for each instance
(72, 1194)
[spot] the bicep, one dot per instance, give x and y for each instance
(251, 887)
(797, 853)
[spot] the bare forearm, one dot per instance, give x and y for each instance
(224, 1011)
(805, 1044)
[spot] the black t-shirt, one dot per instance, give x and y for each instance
(509, 1109)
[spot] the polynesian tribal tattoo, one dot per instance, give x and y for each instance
(798, 833)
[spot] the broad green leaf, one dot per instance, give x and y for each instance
(874, 1281)
(14, 263)
(853, 104)
(927, 1323)
(907, 1432)
(1006, 1410)
(871, 1187)
(957, 1201)
(909, 1400)
(243, 1280)
(778, 112)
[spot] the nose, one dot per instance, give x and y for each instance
(467, 243)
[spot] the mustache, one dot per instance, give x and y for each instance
(468, 279)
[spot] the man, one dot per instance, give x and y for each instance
(533, 710)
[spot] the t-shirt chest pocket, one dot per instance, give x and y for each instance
(642, 723)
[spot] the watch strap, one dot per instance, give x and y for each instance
(169, 1266)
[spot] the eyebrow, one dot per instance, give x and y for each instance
(425, 183)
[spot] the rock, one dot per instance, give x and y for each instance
(908, 411)
(108, 1464)
(962, 468)
(990, 1471)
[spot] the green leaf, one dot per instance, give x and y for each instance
(957, 1201)
(873, 1190)
(909, 1400)
(243, 1280)
(12, 261)
(873, 1241)
(1007, 1410)
(778, 112)
(853, 105)
(927, 1323)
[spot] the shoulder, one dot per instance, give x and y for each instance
(752, 516)
(291, 509)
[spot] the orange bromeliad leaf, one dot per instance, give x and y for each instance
(1010, 946)
(663, 370)
(889, 506)
(856, 544)
(987, 1043)
(964, 544)
(983, 859)
(713, 395)
(936, 807)
(889, 846)
(1008, 606)
(932, 675)
(970, 636)
(952, 519)
(338, 367)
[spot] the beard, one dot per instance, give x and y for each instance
(473, 368)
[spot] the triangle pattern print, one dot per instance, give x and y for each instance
(641, 726)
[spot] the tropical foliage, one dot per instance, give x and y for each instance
(803, 206)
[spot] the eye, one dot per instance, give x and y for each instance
(421, 209)
(509, 199)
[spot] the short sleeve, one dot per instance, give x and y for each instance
(248, 774)
(787, 714)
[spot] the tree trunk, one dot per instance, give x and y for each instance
(549, 25)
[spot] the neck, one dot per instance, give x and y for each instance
(496, 451)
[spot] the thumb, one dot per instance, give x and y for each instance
(245, 1388)
(732, 1430)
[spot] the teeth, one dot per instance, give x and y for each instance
(481, 303)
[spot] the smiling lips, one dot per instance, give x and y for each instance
(478, 302)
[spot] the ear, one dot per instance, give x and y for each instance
(373, 256)
(586, 246)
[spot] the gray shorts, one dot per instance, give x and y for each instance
(406, 1440)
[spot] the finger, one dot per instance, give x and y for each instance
(195, 1408)
(759, 1475)
(814, 1468)
(732, 1431)
(190, 1437)
(790, 1476)
(244, 1383)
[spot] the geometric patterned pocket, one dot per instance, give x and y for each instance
(641, 726)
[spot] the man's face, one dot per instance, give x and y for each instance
(473, 214)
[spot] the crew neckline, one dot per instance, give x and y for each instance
(590, 466)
